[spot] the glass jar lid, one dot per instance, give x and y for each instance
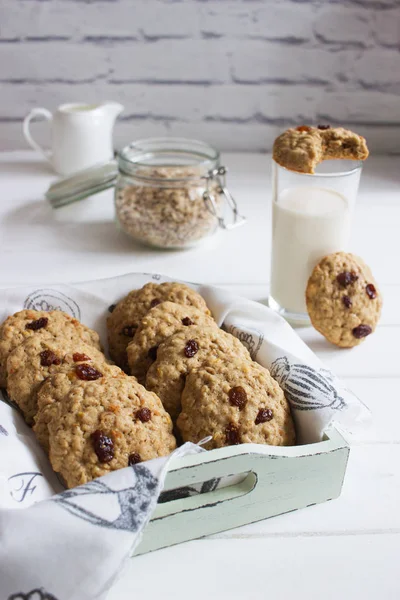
(83, 184)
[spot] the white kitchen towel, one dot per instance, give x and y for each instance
(74, 545)
(70, 545)
(316, 396)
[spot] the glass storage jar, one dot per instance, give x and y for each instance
(169, 192)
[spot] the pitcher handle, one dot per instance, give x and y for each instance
(36, 112)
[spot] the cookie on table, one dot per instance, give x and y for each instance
(34, 360)
(26, 323)
(160, 322)
(303, 148)
(126, 316)
(235, 403)
(75, 371)
(184, 351)
(343, 299)
(106, 425)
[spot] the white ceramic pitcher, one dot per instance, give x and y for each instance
(81, 135)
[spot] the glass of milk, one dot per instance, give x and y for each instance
(311, 217)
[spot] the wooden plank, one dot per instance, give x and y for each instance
(382, 398)
(341, 566)
(376, 357)
(368, 503)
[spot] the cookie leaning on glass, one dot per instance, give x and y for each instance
(343, 299)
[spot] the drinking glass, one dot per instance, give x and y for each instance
(311, 217)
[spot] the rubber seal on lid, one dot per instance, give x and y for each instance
(83, 184)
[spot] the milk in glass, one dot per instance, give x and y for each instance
(308, 223)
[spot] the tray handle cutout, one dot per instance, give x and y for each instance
(205, 493)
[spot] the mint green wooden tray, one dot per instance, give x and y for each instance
(274, 480)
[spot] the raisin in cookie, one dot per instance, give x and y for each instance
(184, 351)
(160, 322)
(34, 360)
(77, 369)
(235, 403)
(107, 425)
(343, 299)
(126, 316)
(303, 148)
(27, 323)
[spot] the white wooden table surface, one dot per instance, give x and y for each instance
(345, 549)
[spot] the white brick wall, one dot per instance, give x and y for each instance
(233, 72)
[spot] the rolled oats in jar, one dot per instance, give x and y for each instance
(170, 193)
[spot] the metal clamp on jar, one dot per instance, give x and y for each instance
(169, 193)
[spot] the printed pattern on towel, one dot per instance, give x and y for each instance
(188, 491)
(38, 594)
(133, 502)
(306, 388)
(23, 485)
(251, 339)
(47, 299)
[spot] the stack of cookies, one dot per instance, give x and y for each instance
(165, 336)
(87, 414)
(186, 375)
